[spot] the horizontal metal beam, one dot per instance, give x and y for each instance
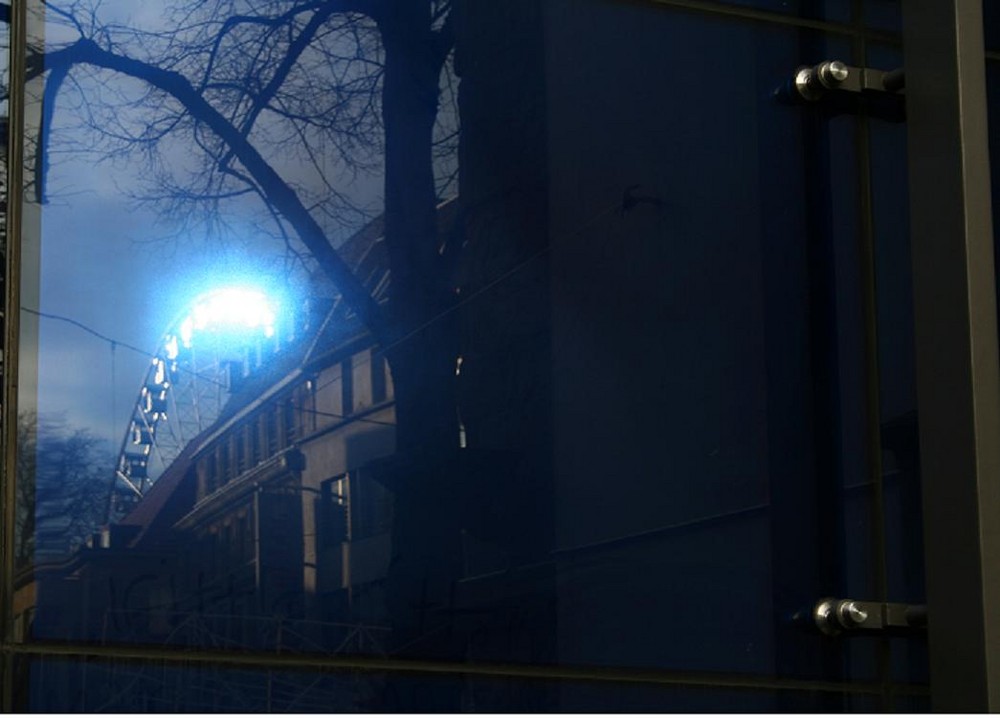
(503, 670)
(744, 12)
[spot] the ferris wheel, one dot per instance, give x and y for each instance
(222, 334)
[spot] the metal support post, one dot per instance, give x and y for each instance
(958, 380)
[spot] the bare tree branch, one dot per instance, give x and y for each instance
(52, 85)
(275, 189)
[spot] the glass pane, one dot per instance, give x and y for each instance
(884, 15)
(512, 339)
(993, 109)
(832, 10)
(130, 687)
(902, 530)
(991, 24)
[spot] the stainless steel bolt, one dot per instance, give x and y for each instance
(806, 84)
(853, 613)
(825, 618)
(833, 73)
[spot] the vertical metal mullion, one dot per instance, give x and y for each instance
(872, 374)
(15, 152)
(958, 380)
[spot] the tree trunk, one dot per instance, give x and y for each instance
(421, 352)
(423, 342)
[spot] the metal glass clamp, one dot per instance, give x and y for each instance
(812, 83)
(833, 617)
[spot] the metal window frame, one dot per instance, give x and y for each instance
(958, 368)
(11, 330)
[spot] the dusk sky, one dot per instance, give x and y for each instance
(120, 268)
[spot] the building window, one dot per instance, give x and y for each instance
(256, 448)
(239, 438)
(288, 421)
(371, 506)
(378, 367)
(307, 406)
(271, 433)
(247, 553)
(347, 386)
(222, 464)
(333, 514)
(209, 474)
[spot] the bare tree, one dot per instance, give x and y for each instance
(253, 91)
(291, 100)
(57, 508)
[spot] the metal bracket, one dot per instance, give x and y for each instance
(812, 83)
(833, 617)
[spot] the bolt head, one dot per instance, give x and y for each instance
(805, 85)
(838, 71)
(824, 618)
(853, 613)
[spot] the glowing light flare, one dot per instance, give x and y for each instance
(226, 311)
(160, 376)
(171, 348)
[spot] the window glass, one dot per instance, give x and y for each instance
(884, 14)
(833, 10)
(462, 332)
(991, 24)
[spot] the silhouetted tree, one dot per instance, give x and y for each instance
(232, 97)
(261, 98)
(61, 499)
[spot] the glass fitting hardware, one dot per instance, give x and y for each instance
(836, 616)
(810, 84)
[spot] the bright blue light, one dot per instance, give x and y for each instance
(226, 311)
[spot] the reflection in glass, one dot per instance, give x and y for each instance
(57, 684)
(434, 332)
(991, 25)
